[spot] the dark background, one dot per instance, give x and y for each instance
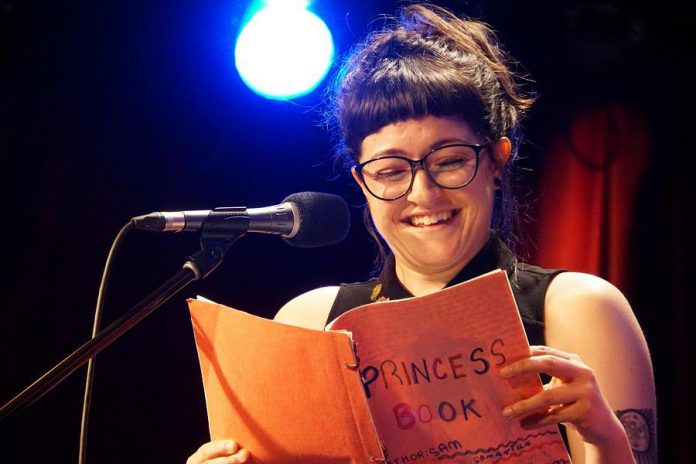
(113, 109)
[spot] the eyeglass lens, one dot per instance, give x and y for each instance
(450, 167)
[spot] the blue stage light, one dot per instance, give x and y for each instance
(284, 51)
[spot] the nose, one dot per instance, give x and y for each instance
(423, 191)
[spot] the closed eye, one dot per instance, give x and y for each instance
(452, 162)
(391, 174)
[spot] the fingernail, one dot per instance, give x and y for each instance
(229, 447)
(505, 372)
(507, 413)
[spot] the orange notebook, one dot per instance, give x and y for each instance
(407, 381)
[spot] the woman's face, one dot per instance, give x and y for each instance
(431, 229)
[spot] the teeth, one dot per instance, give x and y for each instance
(430, 219)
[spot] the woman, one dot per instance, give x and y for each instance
(428, 112)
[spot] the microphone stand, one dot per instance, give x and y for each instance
(216, 239)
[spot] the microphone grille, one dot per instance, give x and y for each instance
(323, 218)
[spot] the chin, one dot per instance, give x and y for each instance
(436, 259)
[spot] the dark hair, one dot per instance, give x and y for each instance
(430, 62)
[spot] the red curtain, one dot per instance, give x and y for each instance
(587, 192)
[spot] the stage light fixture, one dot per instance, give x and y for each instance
(284, 50)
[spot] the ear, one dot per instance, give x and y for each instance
(356, 177)
(502, 149)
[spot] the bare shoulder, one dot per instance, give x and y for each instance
(309, 310)
(576, 291)
(581, 305)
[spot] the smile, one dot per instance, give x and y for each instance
(425, 220)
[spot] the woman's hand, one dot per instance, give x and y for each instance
(219, 452)
(572, 396)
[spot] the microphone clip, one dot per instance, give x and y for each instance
(230, 222)
(220, 229)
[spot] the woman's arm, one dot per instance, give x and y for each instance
(602, 387)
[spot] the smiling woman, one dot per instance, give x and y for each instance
(433, 231)
(428, 114)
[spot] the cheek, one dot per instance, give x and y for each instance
(487, 171)
(484, 184)
(376, 211)
(382, 213)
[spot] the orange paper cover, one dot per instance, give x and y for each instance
(287, 394)
(431, 369)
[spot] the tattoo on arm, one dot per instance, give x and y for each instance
(640, 429)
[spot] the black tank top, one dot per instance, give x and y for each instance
(529, 284)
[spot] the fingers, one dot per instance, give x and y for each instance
(219, 452)
(569, 397)
(545, 402)
(542, 349)
(557, 415)
(564, 366)
(240, 457)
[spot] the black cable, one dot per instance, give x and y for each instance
(82, 455)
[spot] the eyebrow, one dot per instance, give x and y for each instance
(439, 143)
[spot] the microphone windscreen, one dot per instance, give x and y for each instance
(324, 219)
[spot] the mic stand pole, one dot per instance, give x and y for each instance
(198, 266)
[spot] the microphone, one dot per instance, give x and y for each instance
(304, 219)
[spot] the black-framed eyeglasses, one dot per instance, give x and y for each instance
(391, 177)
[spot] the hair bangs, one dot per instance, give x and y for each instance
(407, 88)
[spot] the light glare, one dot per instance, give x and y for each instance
(283, 52)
